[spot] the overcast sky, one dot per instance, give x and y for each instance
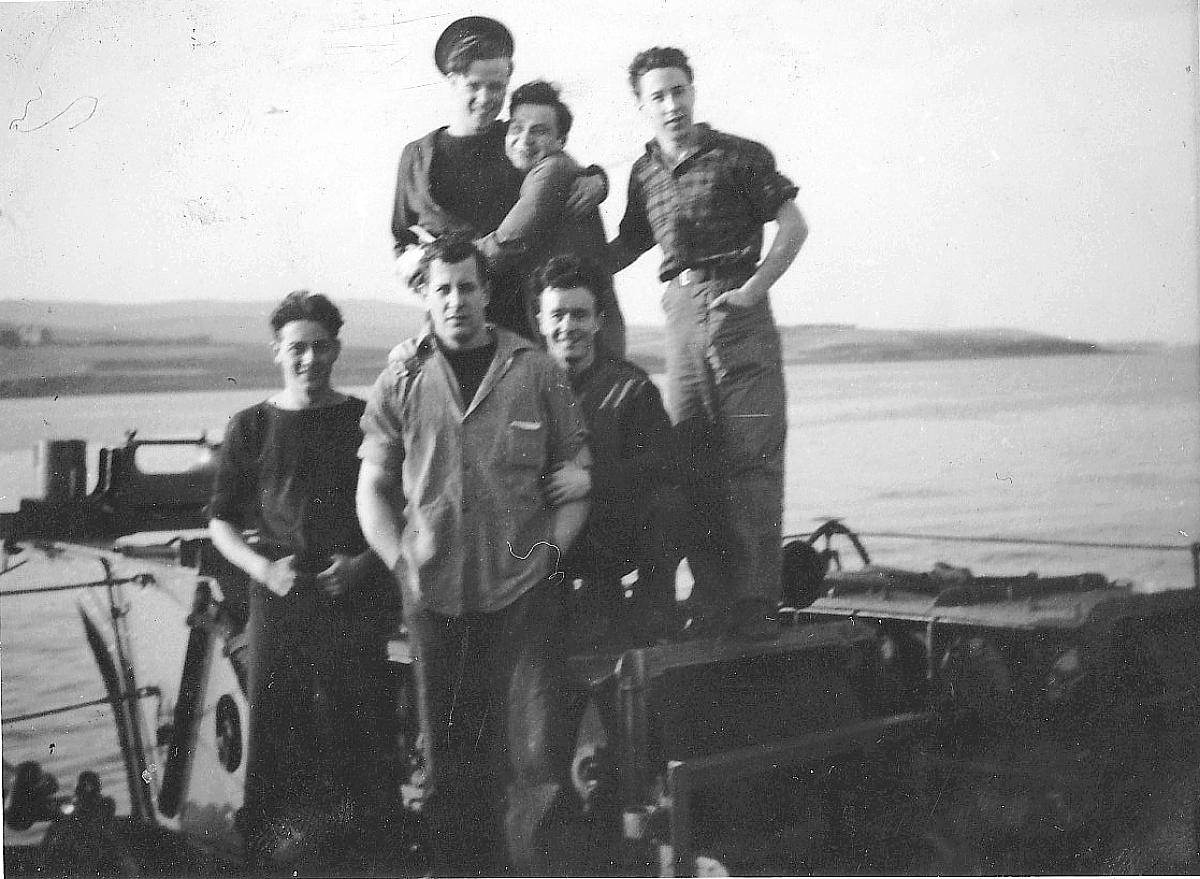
(960, 163)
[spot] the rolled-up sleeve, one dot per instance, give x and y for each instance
(383, 436)
(765, 186)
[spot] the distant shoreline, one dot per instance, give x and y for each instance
(83, 370)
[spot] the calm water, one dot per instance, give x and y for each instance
(1084, 448)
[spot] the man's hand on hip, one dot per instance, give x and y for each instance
(744, 296)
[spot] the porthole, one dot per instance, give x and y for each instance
(229, 733)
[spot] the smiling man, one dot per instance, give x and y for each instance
(636, 521)
(540, 224)
(456, 179)
(704, 196)
(458, 432)
(283, 511)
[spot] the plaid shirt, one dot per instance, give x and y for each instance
(709, 209)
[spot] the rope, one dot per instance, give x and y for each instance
(141, 579)
(142, 693)
(957, 538)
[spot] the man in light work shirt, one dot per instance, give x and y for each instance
(704, 196)
(458, 431)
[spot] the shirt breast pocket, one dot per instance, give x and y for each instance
(525, 444)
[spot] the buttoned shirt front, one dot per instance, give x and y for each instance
(707, 210)
(476, 532)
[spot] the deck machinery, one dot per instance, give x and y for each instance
(900, 722)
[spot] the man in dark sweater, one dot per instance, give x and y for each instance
(638, 518)
(456, 180)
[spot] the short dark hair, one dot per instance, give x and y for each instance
(451, 250)
(476, 47)
(544, 94)
(302, 305)
(655, 58)
(567, 271)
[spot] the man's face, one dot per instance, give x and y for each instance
(532, 135)
(306, 351)
(569, 323)
(455, 297)
(666, 98)
(479, 93)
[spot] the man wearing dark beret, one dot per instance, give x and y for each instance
(457, 179)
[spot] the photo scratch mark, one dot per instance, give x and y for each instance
(15, 124)
(1116, 372)
(392, 23)
(557, 576)
(458, 682)
(1007, 479)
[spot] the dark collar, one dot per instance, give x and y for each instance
(602, 358)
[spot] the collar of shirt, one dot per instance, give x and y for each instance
(706, 137)
(601, 358)
(506, 341)
(409, 357)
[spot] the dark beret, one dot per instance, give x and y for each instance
(473, 26)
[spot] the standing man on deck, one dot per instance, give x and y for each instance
(704, 196)
(456, 180)
(458, 432)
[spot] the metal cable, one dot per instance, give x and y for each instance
(956, 538)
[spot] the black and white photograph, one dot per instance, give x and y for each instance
(653, 438)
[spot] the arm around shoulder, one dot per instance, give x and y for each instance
(634, 236)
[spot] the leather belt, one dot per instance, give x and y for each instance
(718, 272)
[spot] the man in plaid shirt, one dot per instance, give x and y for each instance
(704, 196)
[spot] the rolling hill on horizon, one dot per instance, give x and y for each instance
(210, 344)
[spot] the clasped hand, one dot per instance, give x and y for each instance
(341, 576)
(568, 483)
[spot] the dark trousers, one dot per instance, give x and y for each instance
(726, 398)
(494, 732)
(319, 722)
(650, 536)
